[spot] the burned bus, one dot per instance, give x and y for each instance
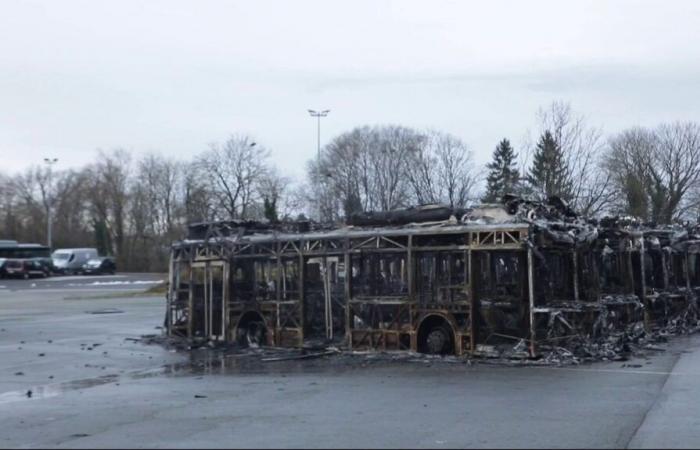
(433, 279)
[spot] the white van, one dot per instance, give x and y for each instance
(71, 260)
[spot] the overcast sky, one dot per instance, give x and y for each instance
(172, 76)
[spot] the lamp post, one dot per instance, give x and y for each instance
(49, 162)
(318, 115)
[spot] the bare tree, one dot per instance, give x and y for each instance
(160, 177)
(276, 193)
(232, 172)
(392, 147)
(70, 205)
(109, 196)
(455, 169)
(627, 163)
(364, 169)
(657, 171)
(587, 186)
(198, 204)
(441, 170)
(675, 169)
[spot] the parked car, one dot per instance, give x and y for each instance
(36, 267)
(71, 260)
(46, 264)
(24, 268)
(14, 268)
(101, 265)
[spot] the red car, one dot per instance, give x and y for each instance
(14, 268)
(24, 268)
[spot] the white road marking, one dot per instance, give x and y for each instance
(620, 371)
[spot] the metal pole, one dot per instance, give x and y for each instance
(50, 162)
(318, 115)
(48, 214)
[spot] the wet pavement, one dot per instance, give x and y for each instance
(65, 283)
(74, 373)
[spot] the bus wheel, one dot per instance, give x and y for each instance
(437, 341)
(251, 331)
(435, 336)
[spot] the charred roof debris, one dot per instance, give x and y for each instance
(520, 281)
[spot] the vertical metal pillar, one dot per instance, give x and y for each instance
(643, 283)
(574, 257)
(224, 300)
(172, 293)
(348, 293)
(190, 301)
(472, 302)
(531, 301)
(301, 293)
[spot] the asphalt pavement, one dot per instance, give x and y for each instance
(74, 374)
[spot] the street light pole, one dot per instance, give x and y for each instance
(49, 162)
(318, 115)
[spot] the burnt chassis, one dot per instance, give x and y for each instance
(376, 288)
(387, 288)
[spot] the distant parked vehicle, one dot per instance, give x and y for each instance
(25, 268)
(13, 250)
(101, 265)
(71, 260)
(14, 268)
(36, 258)
(36, 267)
(21, 268)
(45, 265)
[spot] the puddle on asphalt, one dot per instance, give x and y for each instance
(207, 361)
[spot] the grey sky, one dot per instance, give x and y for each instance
(172, 76)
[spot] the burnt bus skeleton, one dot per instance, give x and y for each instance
(432, 279)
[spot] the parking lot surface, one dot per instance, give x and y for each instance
(75, 374)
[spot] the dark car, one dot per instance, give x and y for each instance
(36, 267)
(14, 268)
(101, 265)
(46, 264)
(24, 268)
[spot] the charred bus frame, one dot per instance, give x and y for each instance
(402, 288)
(437, 287)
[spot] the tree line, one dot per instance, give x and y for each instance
(133, 207)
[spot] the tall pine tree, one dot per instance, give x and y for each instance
(548, 175)
(503, 174)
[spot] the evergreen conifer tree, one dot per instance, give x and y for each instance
(503, 174)
(548, 175)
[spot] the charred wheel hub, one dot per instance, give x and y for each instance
(251, 333)
(437, 340)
